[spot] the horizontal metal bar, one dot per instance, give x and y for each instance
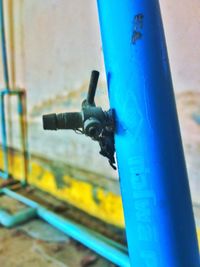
(9, 220)
(12, 92)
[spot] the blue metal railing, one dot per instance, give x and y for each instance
(21, 95)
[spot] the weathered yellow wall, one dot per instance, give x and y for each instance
(86, 194)
(198, 234)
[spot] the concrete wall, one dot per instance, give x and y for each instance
(57, 43)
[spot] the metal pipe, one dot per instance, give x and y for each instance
(12, 61)
(3, 47)
(92, 87)
(22, 112)
(21, 95)
(5, 173)
(154, 184)
(101, 245)
(10, 15)
(86, 237)
(8, 220)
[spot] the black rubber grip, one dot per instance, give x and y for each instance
(68, 120)
(49, 121)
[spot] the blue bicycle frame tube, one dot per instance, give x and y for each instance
(154, 184)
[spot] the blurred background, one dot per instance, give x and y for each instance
(53, 45)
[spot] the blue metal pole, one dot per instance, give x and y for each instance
(3, 47)
(154, 184)
(5, 173)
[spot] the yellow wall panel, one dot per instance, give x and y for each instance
(95, 200)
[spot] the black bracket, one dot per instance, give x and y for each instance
(91, 121)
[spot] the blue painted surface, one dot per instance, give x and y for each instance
(154, 184)
(9, 220)
(3, 46)
(5, 173)
(86, 237)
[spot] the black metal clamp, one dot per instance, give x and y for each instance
(91, 121)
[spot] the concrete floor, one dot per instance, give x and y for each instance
(36, 243)
(17, 249)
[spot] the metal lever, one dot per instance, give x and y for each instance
(92, 87)
(91, 121)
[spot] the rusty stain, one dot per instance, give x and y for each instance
(137, 28)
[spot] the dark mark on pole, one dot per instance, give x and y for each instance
(137, 28)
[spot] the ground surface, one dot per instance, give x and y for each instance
(17, 249)
(38, 244)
